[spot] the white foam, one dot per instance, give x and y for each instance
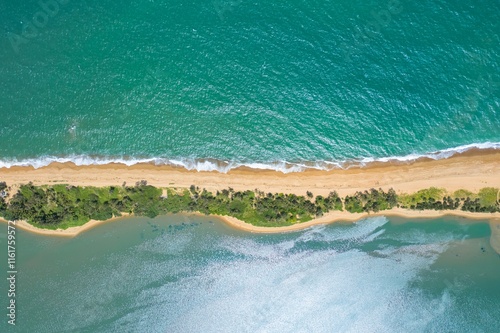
(435, 155)
(362, 231)
(225, 166)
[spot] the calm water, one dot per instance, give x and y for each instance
(180, 274)
(246, 82)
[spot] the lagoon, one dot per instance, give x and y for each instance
(182, 273)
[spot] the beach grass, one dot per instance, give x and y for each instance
(488, 196)
(433, 193)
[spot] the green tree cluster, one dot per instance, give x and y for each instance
(75, 205)
(432, 198)
(371, 201)
(62, 206)
(3, 194)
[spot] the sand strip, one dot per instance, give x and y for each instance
(472, 170)
(70, 232)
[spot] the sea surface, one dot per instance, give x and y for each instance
(216, 84)
(195, 274)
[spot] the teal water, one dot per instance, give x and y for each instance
(194, 274)
(216, 84)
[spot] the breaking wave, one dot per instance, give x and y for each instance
(225, 166)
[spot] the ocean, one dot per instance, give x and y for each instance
(195, 274)
(212, 85)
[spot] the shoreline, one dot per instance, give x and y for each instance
(329, 218)
(69, 232)
(471, 170)
(224, 166)
(344, 216)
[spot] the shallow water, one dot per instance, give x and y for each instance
(195, 274)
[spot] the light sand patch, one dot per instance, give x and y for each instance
(495, 235)
(70, 232)
(471, 171)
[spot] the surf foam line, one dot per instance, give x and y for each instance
(226, 166)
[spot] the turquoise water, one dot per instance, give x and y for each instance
(202, 82)
(194, 274)
(217, 84)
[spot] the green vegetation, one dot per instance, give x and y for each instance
(3, 193)
(485, 201)
(422, 197)
(63, 206)
(331, 202)
(434, 198)
(431, 198)
(462, 194)
(488, 196)
(371, 201)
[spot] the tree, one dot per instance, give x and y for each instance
(141, 183)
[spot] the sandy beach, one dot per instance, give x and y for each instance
(69, 232)
(472, 171)
(328, 218)
(337, 216)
